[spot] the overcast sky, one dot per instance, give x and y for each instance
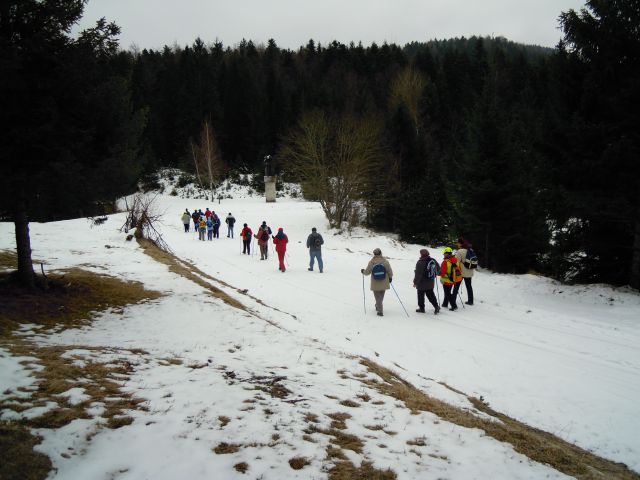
(291, 23)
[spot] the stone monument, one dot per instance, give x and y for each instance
(269, 180)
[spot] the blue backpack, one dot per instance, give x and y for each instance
(379, 272)
(471, 260)
(431, 270)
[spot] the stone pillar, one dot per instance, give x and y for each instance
(270, 188)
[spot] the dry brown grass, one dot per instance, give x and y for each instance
(227, 448)
(241, 467)
(72, 298)
(345, 470)
(19, 460)
(298, 463)
(539, 446)
(349, 403)
(224, 421)
(339, 419)
(8, 260)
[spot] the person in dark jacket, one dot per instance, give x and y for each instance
(247, 236)
(216, 224)
(314, 244)
(230, 221)
(424, 279)
(280, 240)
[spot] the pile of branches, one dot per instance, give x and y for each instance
(142, 218)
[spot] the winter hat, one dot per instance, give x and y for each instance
(245, 224)
(377, 251)
(280, 229)
(448, 250)
(313, 229)
(424, 252)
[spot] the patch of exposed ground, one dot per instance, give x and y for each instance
(70, 382)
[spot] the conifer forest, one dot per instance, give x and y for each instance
(532, 153)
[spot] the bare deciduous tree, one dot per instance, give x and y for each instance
(207, 158)
(337, 161)
(406, 91)
(142, 218)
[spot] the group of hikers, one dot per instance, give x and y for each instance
(208, 222)
(456, 267)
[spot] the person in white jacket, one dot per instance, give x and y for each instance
(467, 273)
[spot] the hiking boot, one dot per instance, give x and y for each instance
(420, 310)
(436, 310)
(310, 269)
(453, 309)
(468, 303)
(380, 314)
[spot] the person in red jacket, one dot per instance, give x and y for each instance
(280, 240)
(450, 276)
(247, 236)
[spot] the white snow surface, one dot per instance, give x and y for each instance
(565, 359)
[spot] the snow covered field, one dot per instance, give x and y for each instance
(565, 359)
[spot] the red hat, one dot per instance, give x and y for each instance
(280, 229)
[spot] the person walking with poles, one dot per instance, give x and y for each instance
(424, 280)
(246, 235)
(450, 276)
(469, 262)
(263, 235)
(186, 220)
(230, 221)
(280, 241)
(381, 277)
(314, 244)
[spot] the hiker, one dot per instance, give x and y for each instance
(202, 227)
(207, 213)
(245, 234)
(469, 262)
(263, 234)
(209, 228)
(314, 244)
(195, 216)
(280, 241)
(424, 280)
(230, 221)
(450, 276)
(381, 277)
(216, 225)
(186, 219)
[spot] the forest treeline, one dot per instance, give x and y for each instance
(530, 153)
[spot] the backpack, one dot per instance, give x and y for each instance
(379, 272)
(265, 236)
(470, 260)
(247, 235)
(431, 270)
(317, 242)
(456, 273)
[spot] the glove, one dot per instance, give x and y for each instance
(390, 279)
(362, 270)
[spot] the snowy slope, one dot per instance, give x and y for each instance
(564, 359)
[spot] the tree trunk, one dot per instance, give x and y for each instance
(635, 257)
(26, 274)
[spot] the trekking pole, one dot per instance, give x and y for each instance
(286, 258)
(438, 291)
(394, 290)
(253, 246)
(460, 295)
(364, 300)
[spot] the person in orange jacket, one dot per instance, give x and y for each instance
(280, 240)
(450, 276)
